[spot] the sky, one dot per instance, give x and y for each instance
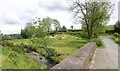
(14, 14)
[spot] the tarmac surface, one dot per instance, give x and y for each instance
(106, 58)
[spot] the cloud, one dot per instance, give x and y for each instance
(119, 11)
(10, 18)
(56, 5)
(15, 13)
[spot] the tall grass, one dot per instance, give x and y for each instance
(14, 60)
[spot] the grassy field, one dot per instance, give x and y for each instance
(19, 41)
(67, 45)
(62, 43)
(14, 60)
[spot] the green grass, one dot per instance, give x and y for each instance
(19, 41)
(67, 45)
(14, 60)
(116, 40)
(63, 46)
(98, 41)
(0, 56)
(109, 27)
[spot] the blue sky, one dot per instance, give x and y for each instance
(15, 13)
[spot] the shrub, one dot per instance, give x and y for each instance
(98, 41)
(116, 35)
(56, 59)
(19, 47)
(41, 51)
(77, 34)
(6, 43)
(52, 55)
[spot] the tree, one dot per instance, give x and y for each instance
(26, 33)
(41, 31)
(117, 27)
(71, 27)
(63, 29)
(47, 23)
(56, 24)
(92, 15)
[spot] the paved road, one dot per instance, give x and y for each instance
(106, 58)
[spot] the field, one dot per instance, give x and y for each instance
(67, 45)
(64, 46)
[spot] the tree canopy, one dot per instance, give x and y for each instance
(92, 15)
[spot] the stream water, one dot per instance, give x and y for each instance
(49, 64)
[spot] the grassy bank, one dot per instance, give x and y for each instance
(14, 60)
(116, 37)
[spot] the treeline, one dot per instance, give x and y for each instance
(46, 26)
(115, 30)
(10, 36)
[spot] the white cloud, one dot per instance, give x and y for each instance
(15, 13)
(20, 11)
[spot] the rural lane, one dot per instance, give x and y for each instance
(106, 58)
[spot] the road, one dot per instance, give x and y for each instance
(106, 58)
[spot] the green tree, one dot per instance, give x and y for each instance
(71, 27)
(92, 15)
(56, 24)
(26, 33)
(63, 29)
(47, 22)
(117, 27)
(41, 32)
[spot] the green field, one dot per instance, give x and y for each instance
(68, 45)
(63, 44)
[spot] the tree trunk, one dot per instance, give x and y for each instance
(89, 34)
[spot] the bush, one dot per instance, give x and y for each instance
(77, 34)
(19, 47)
(6, 43)
(56, 59)
(52, 55)
(98, 41)
(116, 37)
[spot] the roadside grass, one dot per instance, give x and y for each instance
(98, 41)
(116, 40)
(14, 60)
